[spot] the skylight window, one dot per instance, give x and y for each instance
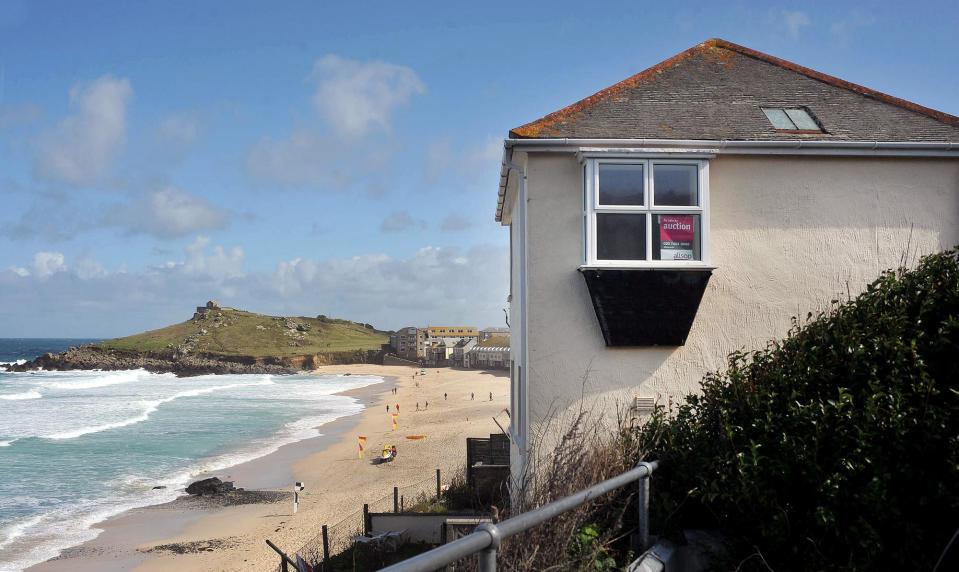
(791, 119)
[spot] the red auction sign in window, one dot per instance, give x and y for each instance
(676, 236)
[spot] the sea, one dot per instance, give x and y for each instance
(79, 447)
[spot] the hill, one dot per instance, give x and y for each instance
(227, 341)
(231, 332)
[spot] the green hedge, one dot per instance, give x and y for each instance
(836, 448)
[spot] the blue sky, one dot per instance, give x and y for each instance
(336, 158)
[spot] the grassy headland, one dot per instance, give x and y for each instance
(231, 332)
(227, 341)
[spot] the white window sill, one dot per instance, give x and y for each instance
(649, 266)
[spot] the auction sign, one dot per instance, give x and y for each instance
(676, 236)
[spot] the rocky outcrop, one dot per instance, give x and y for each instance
(180, 363)
(211, 486)
(184, 364)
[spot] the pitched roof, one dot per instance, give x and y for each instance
(716, 90)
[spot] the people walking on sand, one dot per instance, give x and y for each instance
(417, 405)
(397, 407)
(444, 396)
(472, 396)
(491, 396)
(427, 404)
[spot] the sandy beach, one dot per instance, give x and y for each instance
(229, 533)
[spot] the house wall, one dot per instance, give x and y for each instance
(788, 234)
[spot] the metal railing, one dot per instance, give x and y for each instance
(485, 540)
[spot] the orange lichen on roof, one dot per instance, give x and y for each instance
(724, 51)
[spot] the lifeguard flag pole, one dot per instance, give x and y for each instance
(362, 443)
(394, 415)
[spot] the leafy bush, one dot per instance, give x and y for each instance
(836, 448)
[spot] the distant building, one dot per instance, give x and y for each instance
(488, 333)
(440, 350)
(487, 357)
(460, 350)
(410, 343)
(452, 332)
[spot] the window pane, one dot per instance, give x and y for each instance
(802, 119)
(676, 185)
(676, 237)
(778, 118)
(620, 236)
(621, 184)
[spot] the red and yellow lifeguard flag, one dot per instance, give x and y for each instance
(362, 443)
(395, 415)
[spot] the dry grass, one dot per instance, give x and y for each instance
(594, 536)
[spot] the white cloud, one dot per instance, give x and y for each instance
(353, 100)
(795, 21)
(168, 213)
(845, 29)
(51, 216)
(455, 222)
(218, 264)
(83, 146)
(400, 221)
(21, 114)
(177, 132)
(445, 161)
(358, 97)
(47, 263)
(434, 284)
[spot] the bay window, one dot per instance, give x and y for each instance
(645, 213)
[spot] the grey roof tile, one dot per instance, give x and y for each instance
(716, 90)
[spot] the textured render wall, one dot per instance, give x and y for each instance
(789, 234)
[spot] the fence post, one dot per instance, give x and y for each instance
(487, 557)
(402, 503)
(438, 489)
(396, 499)
(326, 548)
(643, 502)
(366, 519)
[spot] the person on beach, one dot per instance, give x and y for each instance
(472, 396)
(444, 396)
(387, 407)
(491, 396)
(397, 407)
(417, 405)
(427, 404)
(393, 451)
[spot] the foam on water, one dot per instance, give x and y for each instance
(32, 394)
(97, 443)
(93, 380)
(148, 408)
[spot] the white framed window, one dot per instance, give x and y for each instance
(646, 213)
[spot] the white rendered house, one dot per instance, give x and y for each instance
(694, 208)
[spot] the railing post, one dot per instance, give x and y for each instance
(487, 556)
(326, 548)
(402, 503)
(643, 502)
(366, 519)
